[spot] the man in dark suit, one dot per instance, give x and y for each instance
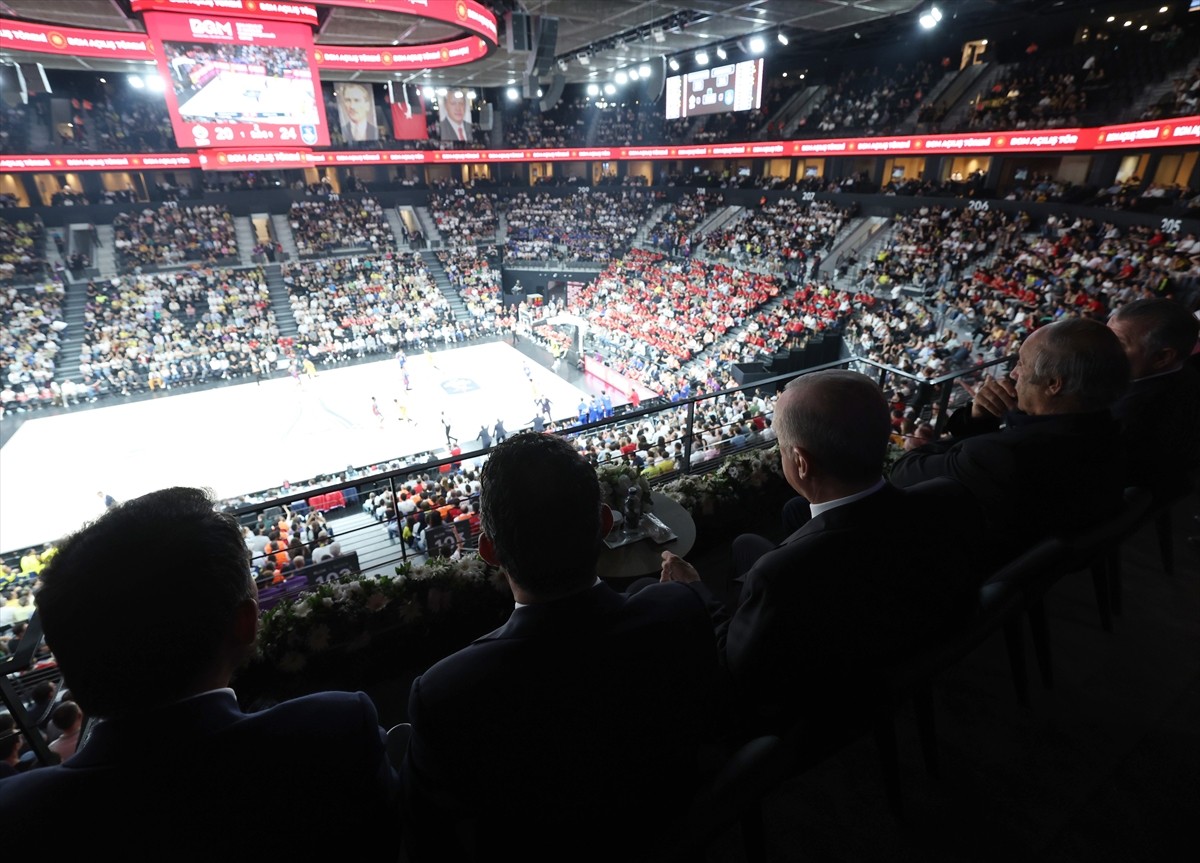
(572, 732)
(1041, 452)
(840, 595)
(1160, 413)
(151, 659)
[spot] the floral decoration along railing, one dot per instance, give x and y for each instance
(407, 603)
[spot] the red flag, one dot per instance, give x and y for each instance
(408, 117)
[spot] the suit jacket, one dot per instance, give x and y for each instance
(1039, 475)
(1160, 428)
(446, 130)
(566, 734)
(839, 597)
(208, 781)
(371, 132)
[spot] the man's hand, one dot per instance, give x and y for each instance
(675, 568)
(993, 398)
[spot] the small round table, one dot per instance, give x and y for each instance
(644, 557)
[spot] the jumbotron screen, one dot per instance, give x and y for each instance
(732, 87)
(237, 83)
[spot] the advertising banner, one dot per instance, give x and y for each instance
(52, 39)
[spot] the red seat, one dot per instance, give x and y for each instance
(335, 500)
(319, 502)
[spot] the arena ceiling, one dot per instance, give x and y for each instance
(614, 33)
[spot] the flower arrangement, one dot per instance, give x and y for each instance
(738, 484)
(616, 480)
(349, 614)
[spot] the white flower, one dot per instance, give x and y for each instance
(377, 601)
(302, 610)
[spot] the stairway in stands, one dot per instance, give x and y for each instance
(398, 230)
(457, 307)
(281, 303)
(105, 258)
(282, 229)
(66, 363)
(246, 241)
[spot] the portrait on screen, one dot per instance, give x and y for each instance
(455, 112)
(356, 111)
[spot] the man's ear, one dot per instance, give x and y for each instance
(245, 622)
(803, 461)
(1165, 358)
(606, 520)
(1054, 386)
(487, 549)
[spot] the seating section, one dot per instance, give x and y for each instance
(585, 226)
(478, 281)
(22, 250)
(675, 231)
(651, 314)
(464, 217)
(781, 231)
(355, 307)
(166, 330)
(172, 235)
(340, 223)
(869, 101)
(31, 328)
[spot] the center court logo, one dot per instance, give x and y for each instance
(457, 386)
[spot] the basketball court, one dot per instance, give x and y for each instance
(241, 439)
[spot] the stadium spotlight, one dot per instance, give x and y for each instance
(721, 55)
(702, 58)
(136, 82)
(930, 17)
(757, 45)
(593, 89)
(610, 89)
(674, 64)
(584, 59)
(644, 70)
(634, 75)
(155, 83)
(429, 93)
(621, 78)
(513, 94)
(540, 93)
(442, 91)
(783, 40)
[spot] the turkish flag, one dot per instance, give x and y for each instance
(408, 117)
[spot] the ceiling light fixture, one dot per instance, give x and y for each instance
(757, 45)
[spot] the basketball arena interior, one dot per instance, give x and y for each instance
(321, 257)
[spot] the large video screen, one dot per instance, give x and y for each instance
(235, 83)
(719, 90)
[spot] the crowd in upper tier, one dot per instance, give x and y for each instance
(587, 226)
(464, 217)
(321, 226)
(172, 234)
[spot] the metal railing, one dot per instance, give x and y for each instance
(379, 543)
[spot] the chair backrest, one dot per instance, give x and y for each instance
(1082, 547)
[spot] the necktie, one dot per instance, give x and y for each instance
(460, 134)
